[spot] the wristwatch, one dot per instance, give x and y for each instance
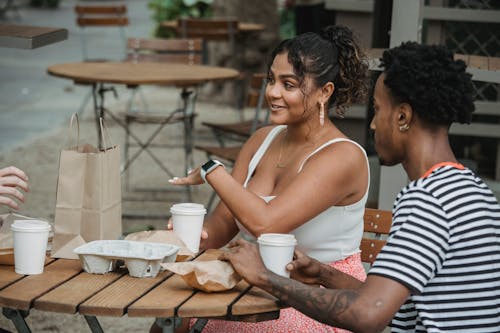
(209, 167)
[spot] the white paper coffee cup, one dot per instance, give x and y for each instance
(187, 221)
(30, 245)
(276, 251)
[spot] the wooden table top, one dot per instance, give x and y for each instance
(141, 73)
(244, 27)
(29, 37)
(63, 287)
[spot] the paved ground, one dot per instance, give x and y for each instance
(34, 103)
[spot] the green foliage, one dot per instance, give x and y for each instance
(166, 10)
(287, 23)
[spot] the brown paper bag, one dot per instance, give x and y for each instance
(209, 276)
(88, 202)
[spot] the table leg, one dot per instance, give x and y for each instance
(188, 109)
(98, 91)
(95, 98)
(94, 325)
(168, 325)
(17, 318)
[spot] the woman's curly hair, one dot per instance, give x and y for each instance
(431, 81)
(333, 55)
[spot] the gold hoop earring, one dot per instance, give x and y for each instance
(404, 128)
(321, 113)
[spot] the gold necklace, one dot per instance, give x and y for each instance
(282, 144)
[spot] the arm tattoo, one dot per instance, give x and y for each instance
(325, 305)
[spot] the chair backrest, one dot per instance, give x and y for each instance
(377, 224)
(100, 16)
(184, 51)
(255, 98)
(207, 28)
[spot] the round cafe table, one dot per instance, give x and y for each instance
(132, 75)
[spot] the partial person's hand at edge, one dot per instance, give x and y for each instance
(11, 180)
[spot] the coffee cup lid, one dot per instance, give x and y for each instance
(30, 226)
(188, 208)
(277, 239)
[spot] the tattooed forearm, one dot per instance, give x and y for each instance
(331, 307)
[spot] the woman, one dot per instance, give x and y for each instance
(302, 175)
(440, 268)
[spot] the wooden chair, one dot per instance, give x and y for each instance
(212, 29)
(377, 224)
(217, 29)
(99, 16)
(241, 131)
(182, 51)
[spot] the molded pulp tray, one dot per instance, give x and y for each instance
(142, 259)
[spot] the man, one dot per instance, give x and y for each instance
(440, 268)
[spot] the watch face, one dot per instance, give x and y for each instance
(208, 165)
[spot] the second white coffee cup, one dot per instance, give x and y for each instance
(187, 222)
(276, 251)
(30, 245)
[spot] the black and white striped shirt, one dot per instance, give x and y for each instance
(444, 245)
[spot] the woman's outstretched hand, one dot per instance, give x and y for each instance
(193, 178)
(11, 180)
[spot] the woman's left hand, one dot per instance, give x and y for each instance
(193, 178)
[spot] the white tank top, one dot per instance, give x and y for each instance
(330, 236)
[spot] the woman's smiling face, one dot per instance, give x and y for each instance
(289, 99)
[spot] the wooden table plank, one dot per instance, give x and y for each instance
(67, 297)
(21, 294)
(213, 304)
(114, 299)
(252, 303)
(162, 301)
(156, 304)
(8, 276)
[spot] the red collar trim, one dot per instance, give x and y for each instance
(441, 164)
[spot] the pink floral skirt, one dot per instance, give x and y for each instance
(290, 320)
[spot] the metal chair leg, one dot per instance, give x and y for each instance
(168, 325)
(198, 326)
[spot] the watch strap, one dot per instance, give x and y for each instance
(208, 167)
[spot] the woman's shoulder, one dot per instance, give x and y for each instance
(262, 133)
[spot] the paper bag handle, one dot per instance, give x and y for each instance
(74, 117)
(104, 135)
